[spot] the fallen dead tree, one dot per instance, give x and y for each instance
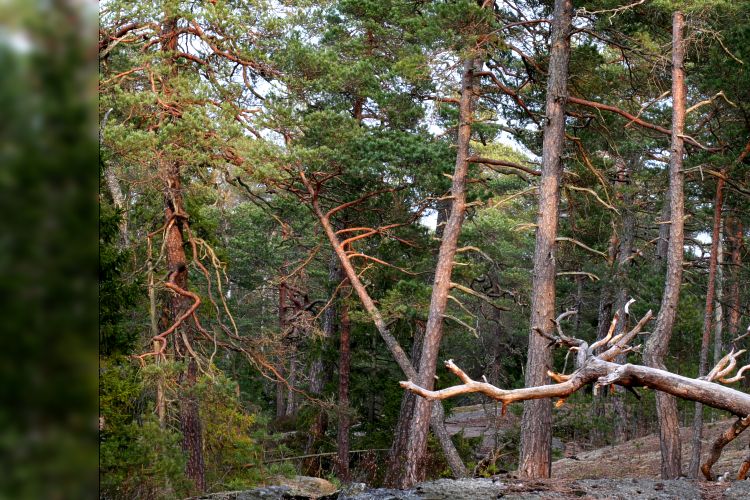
(599, 368)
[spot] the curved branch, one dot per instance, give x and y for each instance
(503, 163)
(582, 245)
(636, 120)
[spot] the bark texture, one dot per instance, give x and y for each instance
(176, 220)
(319, 373)
(416, 448)
(719, 314)
(397, 453)
(536, 424)
(658, 344)
(724, 439)
(190, 424)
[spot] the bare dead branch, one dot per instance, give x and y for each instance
(591, 276)
(582, 245)
(593, 193)
(725, 438)
(478, 295)
(636, 120)
(462, 323)
(503, 163)
(709, 101)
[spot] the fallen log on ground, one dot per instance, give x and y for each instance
(601, 370)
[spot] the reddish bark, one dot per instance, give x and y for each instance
(536, 424)
(436, 418)
(414, 469)
(658, 344)
(181, 303)
(397, 453)
(182, 306)
(635, 119)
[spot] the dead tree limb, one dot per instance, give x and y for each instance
(601, 370)
(636, 120)
(724, 439)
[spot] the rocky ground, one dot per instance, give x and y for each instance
(641, 458)
(631, 471)
(477, 489)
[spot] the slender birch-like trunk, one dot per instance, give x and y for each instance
(344, 425)
(708, 315)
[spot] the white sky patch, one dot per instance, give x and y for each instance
(429, 219)
(704, 238)
(17, 40)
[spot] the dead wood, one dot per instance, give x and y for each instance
(602, 370)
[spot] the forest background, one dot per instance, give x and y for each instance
(274, 210)
(48, 249)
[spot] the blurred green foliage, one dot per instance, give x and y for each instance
(48, 182)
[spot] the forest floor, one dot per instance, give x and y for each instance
(637, 458)
(628, 471)
(641, 458)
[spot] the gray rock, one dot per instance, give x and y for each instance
(352, 490)
(266, 493)
(514, 489)
(478, 489)
(298, 487)
(460, 489)
(625, 489)
(381, 494)
(738, 490)
(557, 444)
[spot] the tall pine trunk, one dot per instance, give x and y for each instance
(176, 220)
(190, 423)
(318, 371)
(397, 453)
(708, 315)
(719, 310)
(536, 424)
(416, 448)
(658, 345)
(399, 356)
